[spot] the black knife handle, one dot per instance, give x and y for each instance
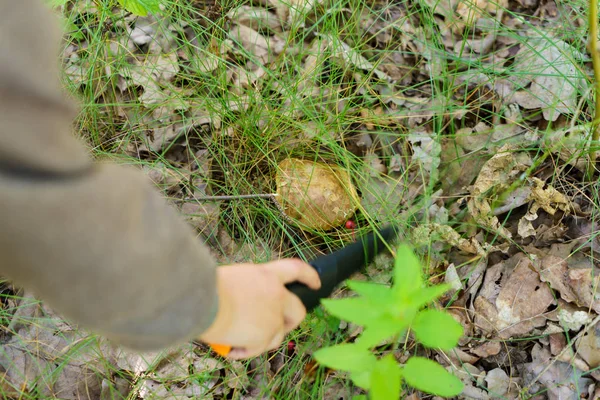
(339, 265)
(312, 298)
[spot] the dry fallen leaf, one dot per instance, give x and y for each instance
(550, 65)
(525, 228)
(315, 195)
(38, 360)
(490, 348)
(471, 10)
(549, 199)
(259, 47)
(497, 173)
(559, 380)
(497, 382)
(575, 285)
(588, 346)
(516, 305)
(255, 18)
(424, 235)
(353, 57)
(473, 378)
(426, 152)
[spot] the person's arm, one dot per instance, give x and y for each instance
(96, 241)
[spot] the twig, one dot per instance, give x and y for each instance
(227, 198)
(593, 50)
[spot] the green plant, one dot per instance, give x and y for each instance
(141, 7)
(387, 312)
(137, 7)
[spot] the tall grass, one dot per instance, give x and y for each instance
(249, 128)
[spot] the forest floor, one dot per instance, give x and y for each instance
(465, 122)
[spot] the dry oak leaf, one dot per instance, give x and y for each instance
(557, 380)
(548, 199)
(471, 10)
(489, 348)
(422, 235)
(516, 306)
(497, 173)
(551, 65)
(315, 195)
(588, 346)
(259, 47)
(575, 285)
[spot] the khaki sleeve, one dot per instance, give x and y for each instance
(95, 241)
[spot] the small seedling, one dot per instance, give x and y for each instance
(386, 312)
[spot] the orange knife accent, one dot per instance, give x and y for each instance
(221, 349)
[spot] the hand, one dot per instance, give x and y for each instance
(256, 310)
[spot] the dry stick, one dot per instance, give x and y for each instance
(568, 347)
(593, 49)
(233, 197)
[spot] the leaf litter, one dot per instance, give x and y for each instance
(488, 175)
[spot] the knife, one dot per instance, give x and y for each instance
(333, 269)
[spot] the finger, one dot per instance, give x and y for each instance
(294, 312)
(293, 269)
(238, 354)
(243, 353)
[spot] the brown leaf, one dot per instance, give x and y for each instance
(255, 18)
(497, 173)
(490, 348)
(561, 380)
(520, 302)
(471, 10)
(260, 47)
(40, 357)
(423, 235)
(497, 382)
(550, 65)
(575, 285)
(558, 342)
(549, 199)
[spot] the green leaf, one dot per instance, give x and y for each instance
(56, 3)
(379, 330)
(362, 379)
(375, 293)
(346, 357)
(427, 295)
(385, 379)
(355, 309)
(428, 376)
(359, 397)
(141, 7)
(434, 328)
(407, 272)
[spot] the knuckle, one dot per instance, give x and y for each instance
(296, 265)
